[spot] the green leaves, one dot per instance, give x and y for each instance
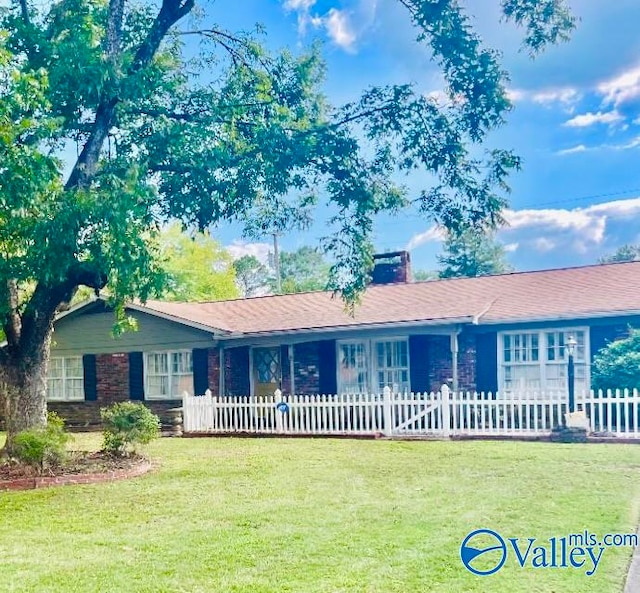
(197, 267)
(255, 140)
(471, 253)
(546, 21)
(618, 365)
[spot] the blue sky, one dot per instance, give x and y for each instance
(576, 121)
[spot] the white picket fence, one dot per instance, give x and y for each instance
(441, 414)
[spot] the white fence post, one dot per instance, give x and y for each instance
(445, 405)
(387, 412)
(279, 415)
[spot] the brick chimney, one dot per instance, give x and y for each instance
(390, 268)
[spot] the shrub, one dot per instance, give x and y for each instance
(43, 448)
(126, 424)
(618, 365)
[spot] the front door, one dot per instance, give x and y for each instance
(267, 375)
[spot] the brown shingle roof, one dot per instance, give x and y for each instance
(544, 295)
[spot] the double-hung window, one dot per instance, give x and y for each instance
(65, 380)
(537, 360)
(168, 374)
(371, 365)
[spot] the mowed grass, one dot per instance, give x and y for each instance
(284, 515)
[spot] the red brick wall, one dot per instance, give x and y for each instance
(467, 362)
(306, 368)
(86, 415)
(112, 373)
(440, 362)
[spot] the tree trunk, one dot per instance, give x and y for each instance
(23, 383)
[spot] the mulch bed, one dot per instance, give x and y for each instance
(80, 468)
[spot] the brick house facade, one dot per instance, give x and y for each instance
(484, 334)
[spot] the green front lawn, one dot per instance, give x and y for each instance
(258, 515)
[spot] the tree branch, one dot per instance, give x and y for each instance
(171, 12)
(24, 11)
(114, 28)
(12, 325)
(47, 299)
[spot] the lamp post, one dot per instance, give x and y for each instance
(571, 372)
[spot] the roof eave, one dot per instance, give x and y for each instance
(562, 316)
(453, 321)
(215, 331)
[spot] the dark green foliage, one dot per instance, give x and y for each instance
(303, 270)
(624, 253)
(252, 276)
(618, 365)
(43, 448)
(470, 254)
(127, 424)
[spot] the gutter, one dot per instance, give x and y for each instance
(566, 316)
(346, 328)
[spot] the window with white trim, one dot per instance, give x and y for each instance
(168, 374)
(537, 360)
(65, 380)
(371, 365)
(392, 365)
(353, 367)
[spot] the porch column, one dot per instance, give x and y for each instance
(221, 371)
(292, 379)
(454, 359)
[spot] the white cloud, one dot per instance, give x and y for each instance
(239, 249)
(633, 143)
(511, 247)
(566, 95)
(572, 150)
(579, 231)
(622, 88)
(629, 145)
(439, 96)
(558, 233)
(299, 4)
(339, 28)
(636, 121)
(339, 25)
(434, 234)
(543, 245)
(516, 95)
(588, 119)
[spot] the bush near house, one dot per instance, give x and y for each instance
(43, 448)
(127, 424)
(618, 365)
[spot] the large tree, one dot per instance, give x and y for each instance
(624, 253)
(303, 270)
(252, 276)
(470, 253)
(197, 267)
(231, 133)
